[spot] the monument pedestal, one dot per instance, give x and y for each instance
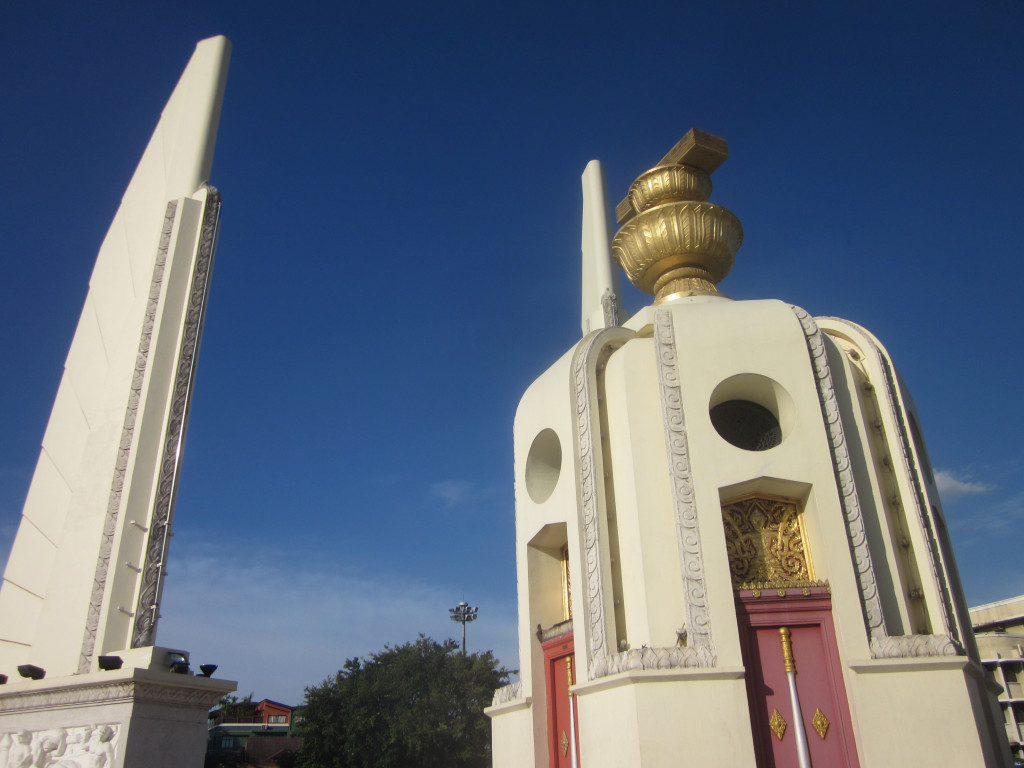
(130, 718)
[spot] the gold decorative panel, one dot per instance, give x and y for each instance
(820, 723)
(764, 538)
(564, 744)
(778, 724)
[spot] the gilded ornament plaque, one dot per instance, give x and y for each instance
(764, 538)
(564, 744)
(778, 724)
(820, 723)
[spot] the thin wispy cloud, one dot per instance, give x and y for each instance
(277, 624)
(453, 492)
(952, 487)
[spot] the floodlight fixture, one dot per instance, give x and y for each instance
(177, 662)
(109, 663)
(207, 669)
(463, 613)
(31, 671)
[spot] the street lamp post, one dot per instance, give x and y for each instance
(463, 614)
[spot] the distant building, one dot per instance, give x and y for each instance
(999, 630)
(256, 733)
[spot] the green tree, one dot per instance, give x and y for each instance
(418, 705)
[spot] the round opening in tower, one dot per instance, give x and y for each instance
(751, 411)
(543, 465)
(746, 425)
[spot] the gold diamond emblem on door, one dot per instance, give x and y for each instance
(820, 723)
(777, 724)
(565, 744)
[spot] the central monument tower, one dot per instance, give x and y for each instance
(729, 541)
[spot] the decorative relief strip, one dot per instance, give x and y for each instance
(923, 513)
(870, 602)
(167, 483)
(903, 646)
(109, 693)
(882, 645)
(700, 650)
(124, 449)
(591, 484)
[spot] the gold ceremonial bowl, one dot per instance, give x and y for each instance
(690, 239)
(669, 183)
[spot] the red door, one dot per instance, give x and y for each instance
(563, 727)
(819, 681)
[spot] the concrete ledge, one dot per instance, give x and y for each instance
(912, 664)
(643, 676)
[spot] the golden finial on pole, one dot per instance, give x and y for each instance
(787, 649)
(672, 241)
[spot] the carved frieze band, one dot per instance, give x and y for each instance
(700, 650)
(591, 484)
(109, 693)
(507, 693)
(125, 447)
(167, 482)
(659, 658)
(904, 646)
(854, 519)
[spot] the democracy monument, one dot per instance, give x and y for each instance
(730, 547)
(85, 685)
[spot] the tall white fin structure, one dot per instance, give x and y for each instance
(602, 304)
(86, 570)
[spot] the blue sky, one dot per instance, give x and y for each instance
(399, 259)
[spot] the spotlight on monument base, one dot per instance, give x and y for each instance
(3, 679)
(177, 662)
(108, 663)
(207, 669)
(32, 671)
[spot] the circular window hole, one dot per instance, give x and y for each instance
(751, 411)
(746, 425)
(543, 465)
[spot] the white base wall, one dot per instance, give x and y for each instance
(137, 718)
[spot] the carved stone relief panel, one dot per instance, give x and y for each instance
(84, 746)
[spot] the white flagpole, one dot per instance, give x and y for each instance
(574, 762)
(802, 751)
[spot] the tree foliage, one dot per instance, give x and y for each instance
(417, 705)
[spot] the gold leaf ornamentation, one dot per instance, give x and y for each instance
(765, 542)
(820, 723)
(777, 724)
(565, 744)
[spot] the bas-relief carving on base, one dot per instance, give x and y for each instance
(125, 447)
(160, 525)
(84, 746)
(882, 644)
